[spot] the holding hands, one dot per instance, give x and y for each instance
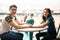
(31, 25)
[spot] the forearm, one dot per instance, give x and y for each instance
(25, 26)
(35, 27)
(22, 26)
(38, 26)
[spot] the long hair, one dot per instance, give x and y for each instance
(49, 13)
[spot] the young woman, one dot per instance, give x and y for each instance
(48, 20)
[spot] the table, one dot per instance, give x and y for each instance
(31, 30)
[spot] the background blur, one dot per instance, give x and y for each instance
(31, 6)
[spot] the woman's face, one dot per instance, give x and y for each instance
(45, 13)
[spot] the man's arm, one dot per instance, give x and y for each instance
(15, 25)
(12, 23)
(20, 23)
(17, 21)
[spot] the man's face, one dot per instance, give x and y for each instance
(13, 10)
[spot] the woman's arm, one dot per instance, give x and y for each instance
(41, 25)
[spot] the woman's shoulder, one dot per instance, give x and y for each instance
(50, 17)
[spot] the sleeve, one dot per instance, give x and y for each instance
(15, 18)
(50, 19)
(8, 19)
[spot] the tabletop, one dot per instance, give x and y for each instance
(30, 29)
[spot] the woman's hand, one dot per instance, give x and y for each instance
(31, 25)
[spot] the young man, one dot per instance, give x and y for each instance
(11, 21)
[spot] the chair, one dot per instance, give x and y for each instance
(57, 34)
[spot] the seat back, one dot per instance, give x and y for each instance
(58, 29)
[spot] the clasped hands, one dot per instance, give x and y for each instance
(30, 25)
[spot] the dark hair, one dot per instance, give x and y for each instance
(49, 11)
(13, 6)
